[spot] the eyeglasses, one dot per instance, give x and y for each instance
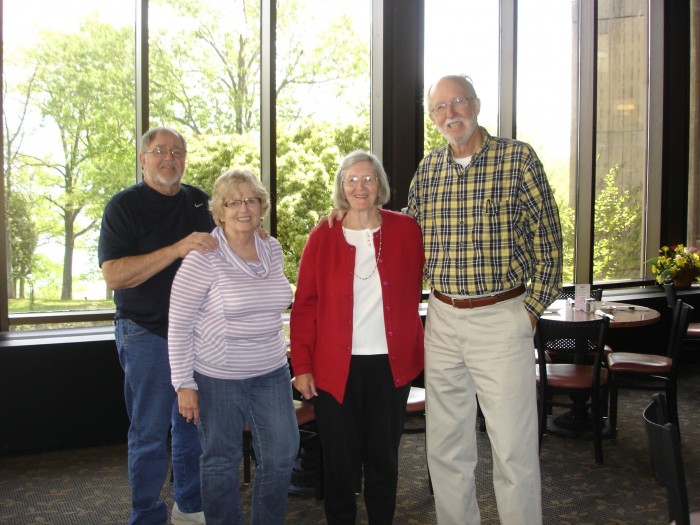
(252, 202)
(354, 181)
(441, 108)
(161, 153)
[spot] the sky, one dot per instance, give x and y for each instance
(64, 15)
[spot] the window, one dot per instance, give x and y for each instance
(473, 52)
(621, 140)
(546, 113)
(323, 109)
(558, 86)
(584, 92)
(68, 117)
(204, 81)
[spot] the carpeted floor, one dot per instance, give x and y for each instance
(90, 487)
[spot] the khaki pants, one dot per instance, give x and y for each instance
(489, 352)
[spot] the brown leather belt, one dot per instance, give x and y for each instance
(476, 302)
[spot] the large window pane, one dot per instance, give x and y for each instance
(621, 139)
(204, 80)
(546, 112)
(323, 108)
(469, 48)
(69, 144)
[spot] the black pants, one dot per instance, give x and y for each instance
(365, 430)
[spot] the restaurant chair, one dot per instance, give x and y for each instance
(596, 294)
(692, 334)
(644, 371)
(667, 461)
(583, 385)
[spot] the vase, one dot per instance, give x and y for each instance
(684, 279)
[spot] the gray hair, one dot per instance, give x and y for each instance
(230, 180)
(340, 201)
(150, 135)
(464, 80)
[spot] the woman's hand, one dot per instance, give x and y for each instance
(304, 383)
(188, 404)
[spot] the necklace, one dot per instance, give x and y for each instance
(376, 261)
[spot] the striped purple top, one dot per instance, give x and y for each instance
(226, 314)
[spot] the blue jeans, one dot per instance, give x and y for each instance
(265, 403)
(151, 404)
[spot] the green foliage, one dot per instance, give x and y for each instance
(617, 231)
(83, 87)
(210, 156)
(567, 219)
(48, 305)
(205, 75)
(205, 81)
(307, 163)
(307, 160)
(23, 240)
(433, 139)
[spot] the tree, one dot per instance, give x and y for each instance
(23, 239)
(433, 138)
(308, 160)
(210, 156)
(83, 89)
(204, 80)
(205, 76)
(617, 227)
(22, 235)
(205, 70)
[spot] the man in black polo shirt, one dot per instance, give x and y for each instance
(146, 231)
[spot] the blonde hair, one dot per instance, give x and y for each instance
(227, 182)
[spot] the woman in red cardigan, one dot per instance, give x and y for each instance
(357, 338)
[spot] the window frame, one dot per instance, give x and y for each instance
(396, 96)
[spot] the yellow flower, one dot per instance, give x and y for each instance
(674, 260)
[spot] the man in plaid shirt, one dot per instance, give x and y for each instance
(493, 250)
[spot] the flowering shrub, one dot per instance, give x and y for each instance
(675, 260)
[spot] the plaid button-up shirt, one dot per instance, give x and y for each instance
(491, 226)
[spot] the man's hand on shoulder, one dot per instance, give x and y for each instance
(195, 241)
(334, 215)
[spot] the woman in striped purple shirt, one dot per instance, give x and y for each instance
(228, 355)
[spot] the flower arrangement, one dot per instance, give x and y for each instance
(675, 262)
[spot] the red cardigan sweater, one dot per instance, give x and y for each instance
(321, 318)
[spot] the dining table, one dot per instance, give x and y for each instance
(622, 315)
(577, 421)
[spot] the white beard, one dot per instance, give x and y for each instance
(464, 137)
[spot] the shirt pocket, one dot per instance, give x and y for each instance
(495, 225)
